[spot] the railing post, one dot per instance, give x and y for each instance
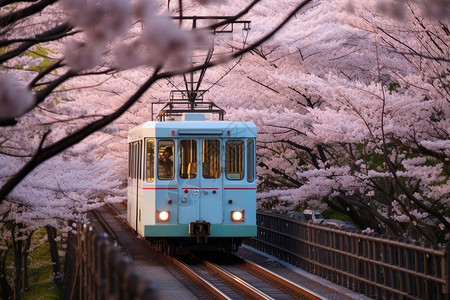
(96, 269)
(447, 272)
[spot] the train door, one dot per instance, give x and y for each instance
(200, 185)
(135, 161)
(211, 182)
(188, 182)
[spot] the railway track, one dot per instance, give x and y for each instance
(233, 278)
(243, 279)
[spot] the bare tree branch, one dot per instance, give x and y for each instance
(8, 2)
(25, 12)
(49, 35)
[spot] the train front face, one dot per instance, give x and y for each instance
(198, 184)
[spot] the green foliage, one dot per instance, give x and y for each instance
(392, 87)
(41, 52)
(373, 160)
(332, 214)
(3, 49)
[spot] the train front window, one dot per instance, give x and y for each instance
(211, 159)
(235, 160)
(150, 164)
(188, 154)
(165, 160)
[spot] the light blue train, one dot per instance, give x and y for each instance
(192, 183)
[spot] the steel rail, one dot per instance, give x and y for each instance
(270, 277)
(236, 281)
(104, 224)
(113, 211)
(194, 278)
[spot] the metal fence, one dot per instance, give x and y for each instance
(377, 266)
(96, 269)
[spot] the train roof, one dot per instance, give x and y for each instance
(173, 129)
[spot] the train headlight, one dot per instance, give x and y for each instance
(163, 216)
(237, 216)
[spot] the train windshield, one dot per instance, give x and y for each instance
(211, 159)
(165, 160)
(188, 154)
(235, 160)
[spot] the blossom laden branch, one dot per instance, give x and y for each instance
(74, 138)
(79, 135)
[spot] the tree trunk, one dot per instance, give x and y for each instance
(51, 233)
(5, 288)
(17, 246)
(25, 262)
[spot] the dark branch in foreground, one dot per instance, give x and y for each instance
(74, 138)
(7, 2)
(25, 12)
(63, 144)
(49, 35)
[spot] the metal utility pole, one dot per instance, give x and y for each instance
(191, 97)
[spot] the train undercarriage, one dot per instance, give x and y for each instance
(172, 245)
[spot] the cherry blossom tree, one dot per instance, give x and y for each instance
(353, 113)
(351, 99)
(100, 41)
(71, 73)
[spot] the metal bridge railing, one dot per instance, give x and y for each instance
(96, 269)
(377, 266)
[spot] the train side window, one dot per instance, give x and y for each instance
(188, 154)
(235, 160)
(150, 160)
(211, 159)
(139, 160)
(133, 160)
(250, 160)
(165, 160)
(129, 159)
